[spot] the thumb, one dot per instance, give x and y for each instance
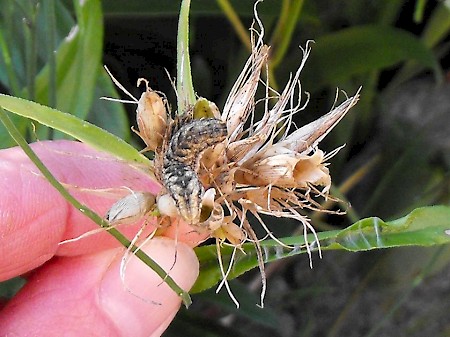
(85, 295)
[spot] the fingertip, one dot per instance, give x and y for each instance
(142, 302)
(86, 296)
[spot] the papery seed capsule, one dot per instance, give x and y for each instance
(130, 208)
(151, 116)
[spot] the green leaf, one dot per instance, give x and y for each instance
(75, 127)
(339, 56)
(438, 26)
(78, 61)
(425, 226)
(108, 115)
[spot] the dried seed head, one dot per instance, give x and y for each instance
(231, 232)
(285, 168)
(310, 169)
(247, 166)
(151, 116)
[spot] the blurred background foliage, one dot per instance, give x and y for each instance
(396, 158)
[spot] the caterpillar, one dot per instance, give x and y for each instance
(181, 162)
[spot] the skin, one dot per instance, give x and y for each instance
(75, 288)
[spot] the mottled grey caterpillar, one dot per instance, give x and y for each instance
(181, 161)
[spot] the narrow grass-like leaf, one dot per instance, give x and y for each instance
(210, 273)
(78, 61)
(31, 50)
(436, 29)
(425, 226)
(282, 35)
(75, 127)
(418, 12)
(50, 30)
(108, 115)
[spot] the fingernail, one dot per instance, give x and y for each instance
(140, 302)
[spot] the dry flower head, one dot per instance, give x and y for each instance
(215, 168)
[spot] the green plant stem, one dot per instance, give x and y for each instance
(51, 46)
(282, 36)
(418, 12)
(31, 58)
(236, 23)
(15, 134)
(185, 88)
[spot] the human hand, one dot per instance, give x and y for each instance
(76, 288)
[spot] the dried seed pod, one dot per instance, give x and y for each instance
(231, 232)
(151, 116)
(130, 208)
(285, 168)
